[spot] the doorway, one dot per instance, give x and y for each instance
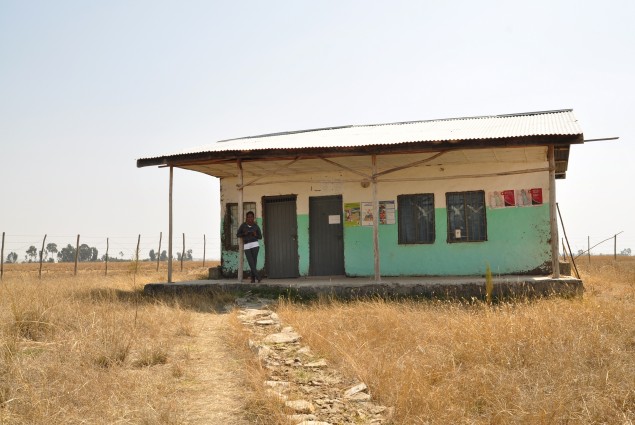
(326, 236)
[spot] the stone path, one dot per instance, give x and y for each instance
(311, 391)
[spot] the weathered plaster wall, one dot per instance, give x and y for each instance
(518, 237)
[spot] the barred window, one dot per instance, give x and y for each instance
(416, 218)
(466, 216)
(232, 224)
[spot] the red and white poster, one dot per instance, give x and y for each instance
(536, 196)
(508, 198)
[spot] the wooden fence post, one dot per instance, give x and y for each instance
(136, 256)
(183, 253)
(2, 258)
(159, 252)
(42, 255)
(204, 244)
(76, 255)
(588, 244)
(615, 247)
(107, 246)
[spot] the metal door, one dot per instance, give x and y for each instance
(326, 236)
(281, 236)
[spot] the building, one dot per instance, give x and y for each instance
(424, 198)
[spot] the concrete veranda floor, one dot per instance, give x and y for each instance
(461, 287)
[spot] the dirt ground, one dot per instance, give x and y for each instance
(214, 394)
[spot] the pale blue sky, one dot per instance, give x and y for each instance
(86, 88)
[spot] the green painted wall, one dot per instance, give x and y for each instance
(518, 242)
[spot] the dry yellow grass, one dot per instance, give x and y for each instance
(544, 361)
(94, 349)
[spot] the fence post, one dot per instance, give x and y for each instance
(136, 256)
(183, 253)
(159, 252)
(107, 246)
(2, 258)
(588, 245)
(41, 255)
(204, 244)
(76, 255)
(615, 247)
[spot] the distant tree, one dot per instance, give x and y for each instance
(12, 257)
(153, 255)
(186, 257)
(164, 255)
(121, 254)
(580, 252)
(31, 254)
(66, 255)
(87, 253)
(626, 251)
(51, 248)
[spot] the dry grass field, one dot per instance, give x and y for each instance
(549, 361)
(92, 349)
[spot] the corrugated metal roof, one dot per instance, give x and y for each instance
(559, 122)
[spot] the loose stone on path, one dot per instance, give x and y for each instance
(318, 395)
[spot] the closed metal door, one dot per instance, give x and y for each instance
(281, 236)
(326, 236)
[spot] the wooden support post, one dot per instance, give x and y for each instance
(588, 245)
(107, 247)
(170, 227)
(76, 255)
(159, 252)
(41, 256)
(183, 252)
(375, 221)
(564, 230)
(241, 249)
(555, 263)
(204, 245)
(2, 258)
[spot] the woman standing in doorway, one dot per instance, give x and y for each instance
(250, 233)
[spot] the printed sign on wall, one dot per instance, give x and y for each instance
(367, 213)
(351, 214)
(386, 212)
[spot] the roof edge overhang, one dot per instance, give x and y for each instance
(562, 141)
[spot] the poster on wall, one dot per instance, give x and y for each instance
(508, 198)
(386, 212)
(523, 198)
(496, 200)
(351, 214)
(367, 213)
(536, 196)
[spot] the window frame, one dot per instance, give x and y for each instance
(403, 216)
(230, 228)
(470, 228)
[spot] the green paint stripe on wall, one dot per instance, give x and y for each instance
(518, 242)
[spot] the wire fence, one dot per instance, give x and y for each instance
(28, 248)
